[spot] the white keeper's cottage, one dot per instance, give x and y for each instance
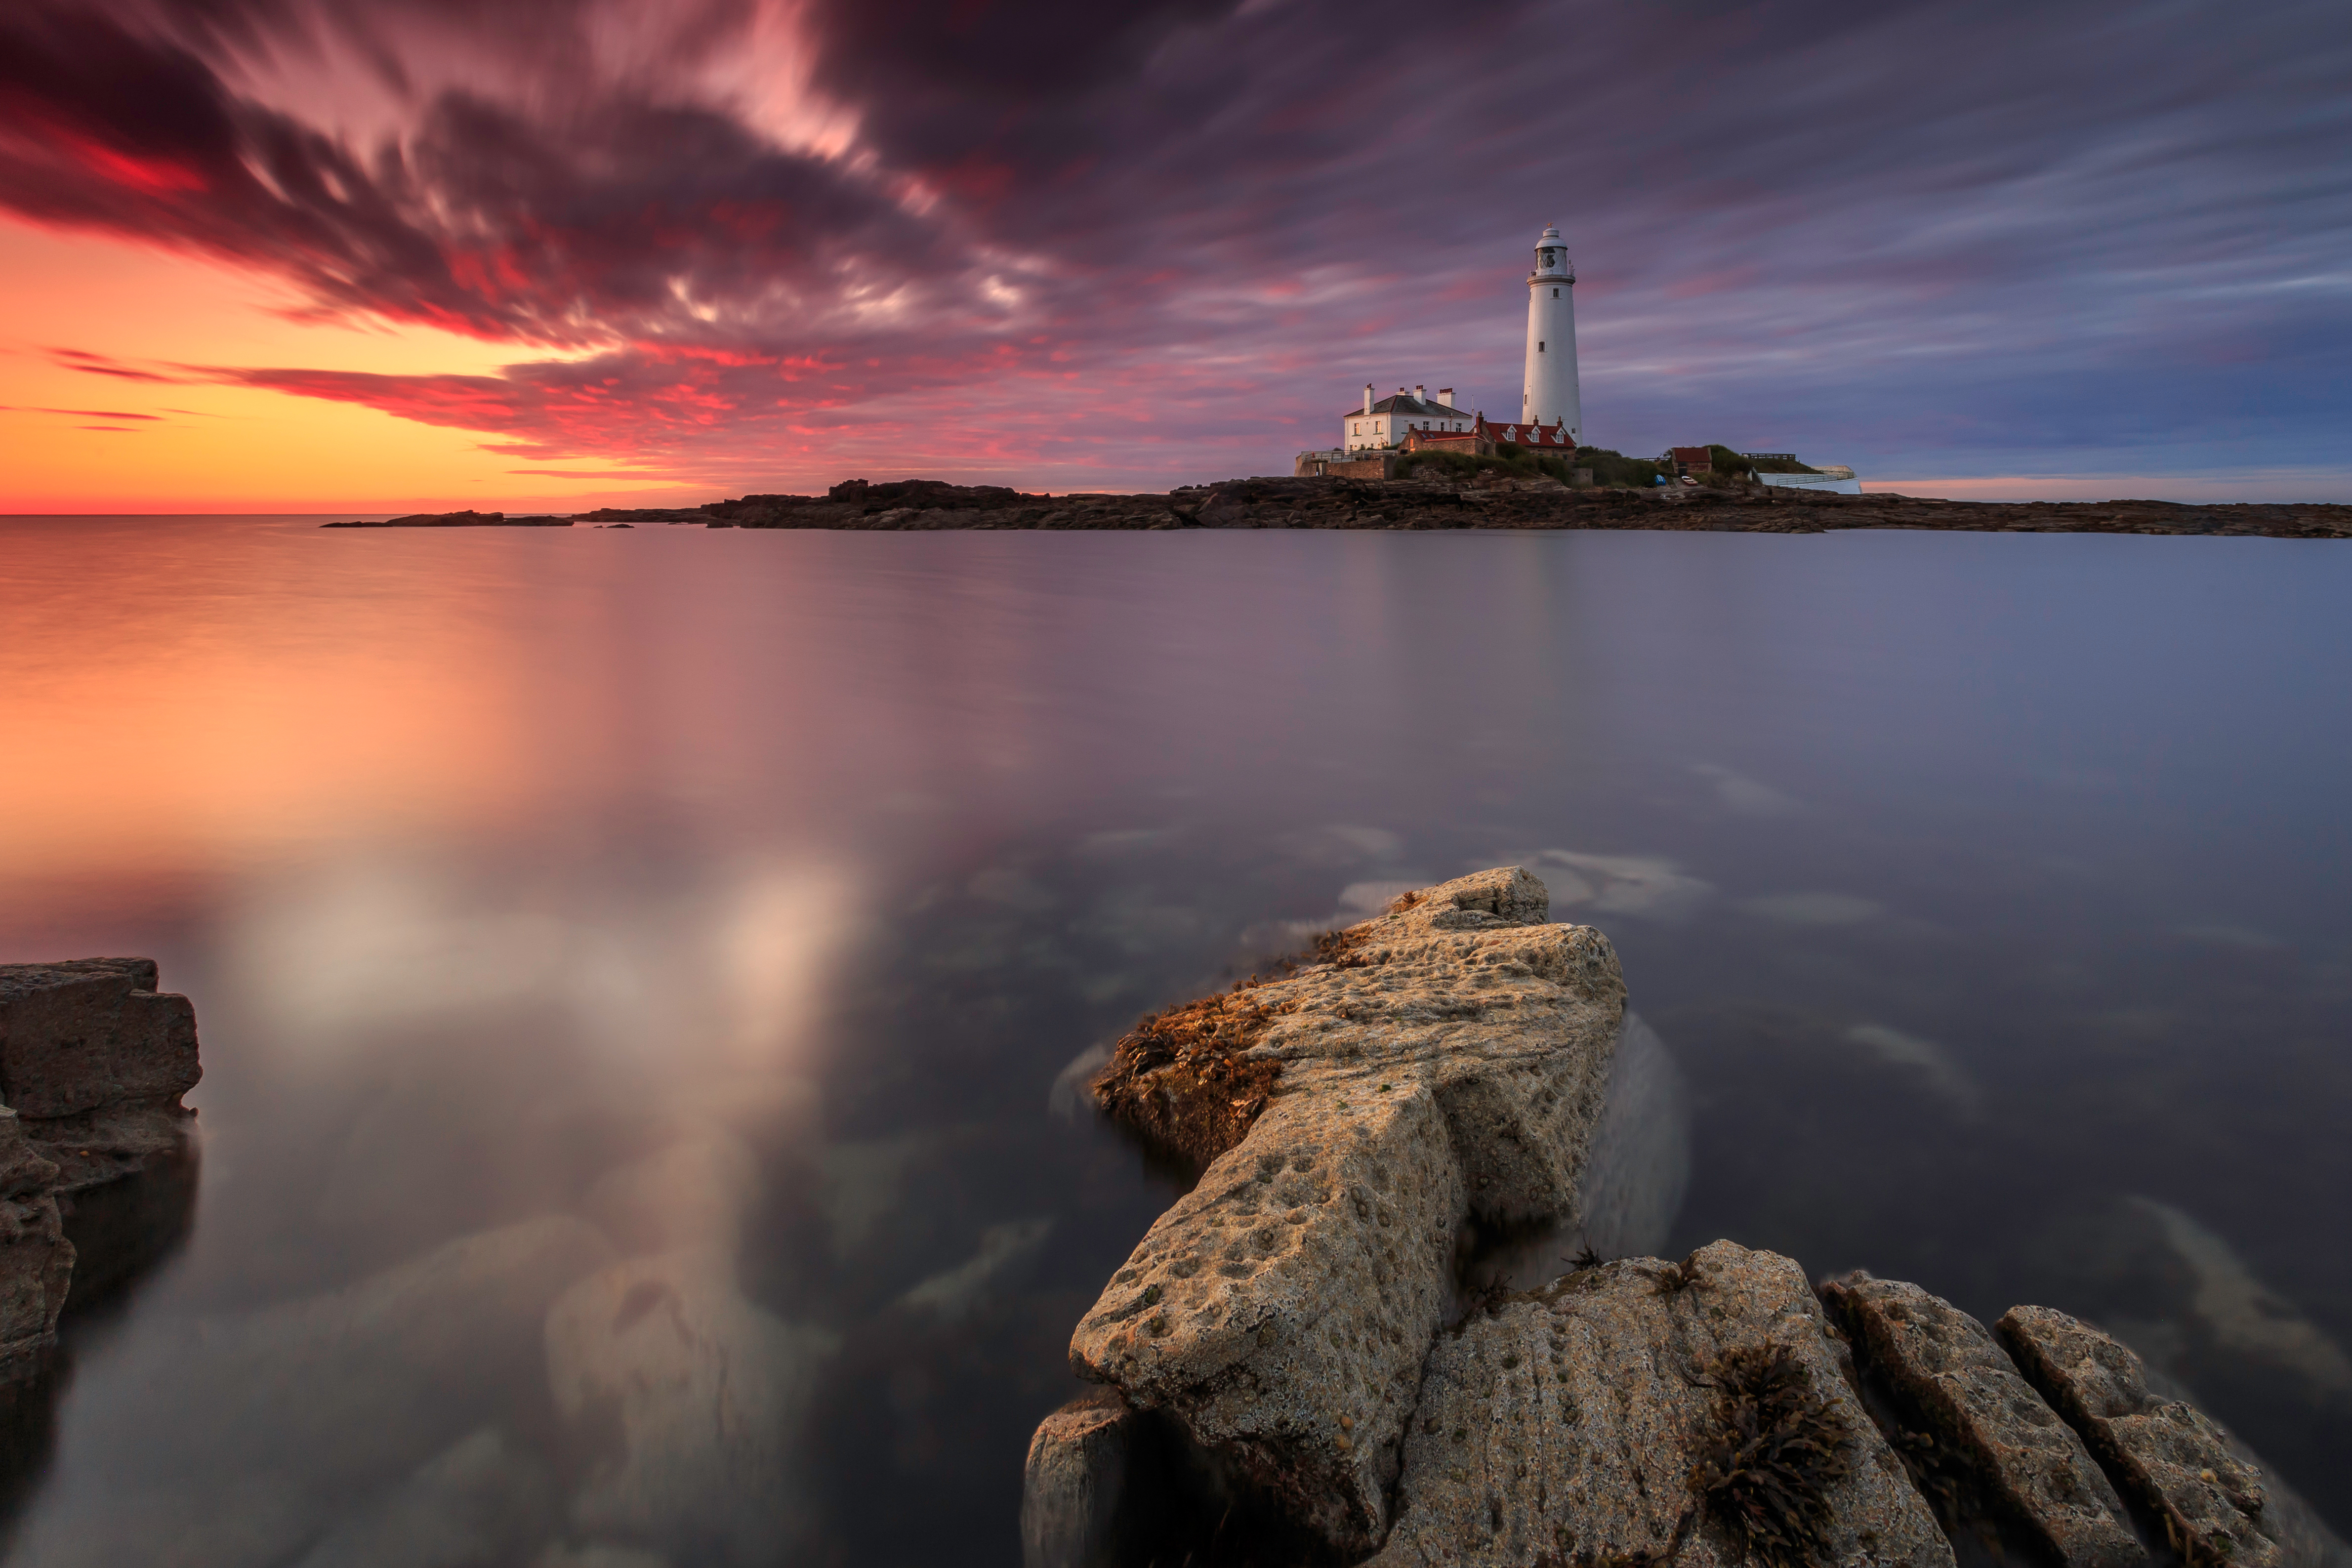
(1387, 422)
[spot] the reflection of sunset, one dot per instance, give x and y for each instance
(155, 722)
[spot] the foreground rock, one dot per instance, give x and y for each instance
(1984, 1430)
(96, 1168)
(1697, 1413)
(1296, 1349)
(35, 1259)
(2173, 1460)
(1074, 1501)
(1444, 1060)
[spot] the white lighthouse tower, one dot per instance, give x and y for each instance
(1550, 396)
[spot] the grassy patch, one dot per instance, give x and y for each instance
(1610, 468)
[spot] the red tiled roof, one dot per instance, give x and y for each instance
(1531, 434)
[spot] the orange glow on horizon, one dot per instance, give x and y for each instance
(210, 447)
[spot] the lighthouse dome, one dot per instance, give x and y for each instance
(1552, 253)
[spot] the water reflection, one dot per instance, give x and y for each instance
(639, 971)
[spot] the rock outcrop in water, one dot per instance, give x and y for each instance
(1443, 1060)
(1997, 1449)
(1291, 1346)
(2172, 1459)
(96, 1173)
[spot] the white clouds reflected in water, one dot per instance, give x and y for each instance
(1647, 886)
(1946, 1076)
(1744, 795)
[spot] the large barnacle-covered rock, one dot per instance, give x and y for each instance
(1959, 1393)
(2168, 1456)
(1642, 1412)
(1446, 1058)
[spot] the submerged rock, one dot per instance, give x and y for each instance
(696, 1398)
(1961, 1395)
(1005, 1251)
(1645, 1412)
(697, 1192)
(2186, 1300)
(2168, 1457)
(1443, 1060)
(482, 1503)
(255, 1431)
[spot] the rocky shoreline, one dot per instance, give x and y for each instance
(97, 1167)
(925, 505)
(1294, 1367)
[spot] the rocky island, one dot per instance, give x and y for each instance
(1484, 500)
(1292, 1365)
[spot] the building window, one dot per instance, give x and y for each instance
(1554, 293)
(1539, 345)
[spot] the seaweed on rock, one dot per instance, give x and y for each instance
(1766, 1472)
(1180, 1079)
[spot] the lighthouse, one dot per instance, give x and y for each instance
(1551, 396)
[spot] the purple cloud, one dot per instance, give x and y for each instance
(1164, 242)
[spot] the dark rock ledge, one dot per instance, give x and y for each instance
(922, 505)
(97, 1169)
(1292, 1371)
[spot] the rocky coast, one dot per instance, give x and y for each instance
(97, 1170)
(924, 505)
(1296, 1364)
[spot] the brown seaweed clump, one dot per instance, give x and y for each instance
(1177, 1079)
(1765, 1474)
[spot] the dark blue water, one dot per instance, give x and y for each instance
(740, 896)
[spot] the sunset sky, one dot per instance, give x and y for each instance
(378, 255)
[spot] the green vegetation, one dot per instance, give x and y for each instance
(1616, 468)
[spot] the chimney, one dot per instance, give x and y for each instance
(1368, 398)
(1445, 395)
(1419, 392)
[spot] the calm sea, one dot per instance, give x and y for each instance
(742, 895)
